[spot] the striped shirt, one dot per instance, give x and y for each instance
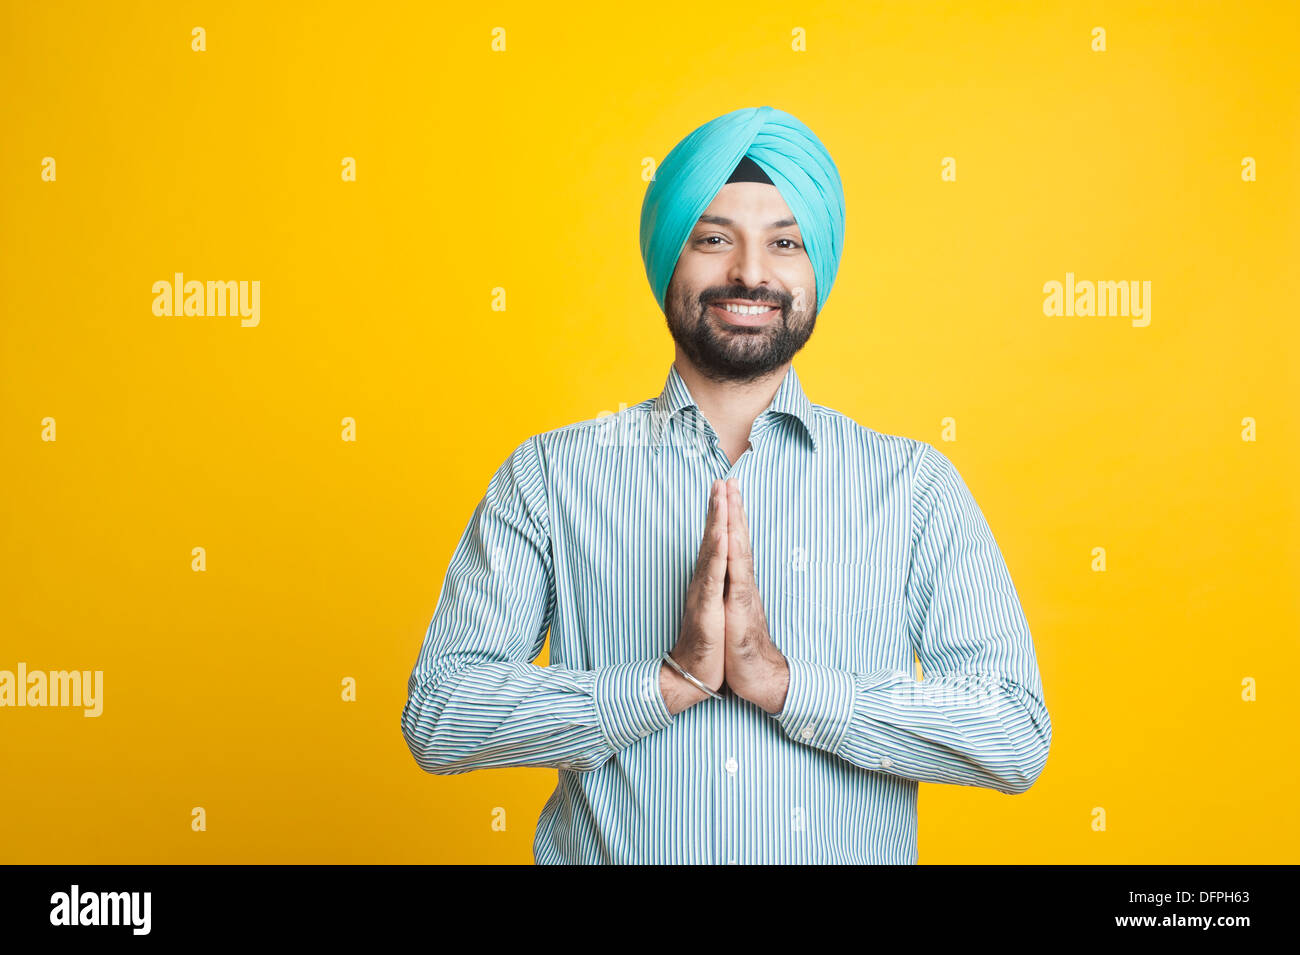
(870, 554)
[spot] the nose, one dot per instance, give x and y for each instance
(746, 267)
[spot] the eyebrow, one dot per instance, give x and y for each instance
(722, 220)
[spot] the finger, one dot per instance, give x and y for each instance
(713, 548)
(706, 544)
(737, 544)
(737, 511)
(721, 517)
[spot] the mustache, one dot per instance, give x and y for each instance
(779, 299)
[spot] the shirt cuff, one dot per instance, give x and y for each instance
(629, 703)
(818, 704)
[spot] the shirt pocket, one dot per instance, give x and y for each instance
(839, 588)
(848, 614)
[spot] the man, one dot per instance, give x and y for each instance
(737, 582)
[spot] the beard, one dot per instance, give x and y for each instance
(732, 352)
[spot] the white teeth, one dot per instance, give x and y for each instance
(748, 309)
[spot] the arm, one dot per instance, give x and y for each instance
(475, 701)
(978, 718)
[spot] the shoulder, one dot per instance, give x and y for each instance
(927, 472)
(572, 443)
(848, 435)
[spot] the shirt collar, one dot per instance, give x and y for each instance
(789, 400)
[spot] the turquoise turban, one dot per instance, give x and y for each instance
(691, 175)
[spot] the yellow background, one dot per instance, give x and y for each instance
(522, 170)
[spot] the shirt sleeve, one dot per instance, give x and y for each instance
(475, 700)
(978, 718)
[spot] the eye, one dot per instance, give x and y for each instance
(793, 244)
(706, 238)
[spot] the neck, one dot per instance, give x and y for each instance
(730, 406)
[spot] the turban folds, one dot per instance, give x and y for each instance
(691, 175)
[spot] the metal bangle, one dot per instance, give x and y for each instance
(668, 658)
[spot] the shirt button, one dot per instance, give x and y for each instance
(645, 732)
(807, 732)
(732, 765)
(566, 765)
(886, 762)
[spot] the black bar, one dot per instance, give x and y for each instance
(333, 903)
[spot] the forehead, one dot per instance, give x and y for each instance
(753, 205)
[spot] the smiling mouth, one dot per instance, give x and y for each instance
(735, 312)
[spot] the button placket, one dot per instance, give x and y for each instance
(731, 784)
(720, 809)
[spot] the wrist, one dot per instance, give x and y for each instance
(778, 685)
(678, 692)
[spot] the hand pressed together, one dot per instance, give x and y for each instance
(724, 637)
